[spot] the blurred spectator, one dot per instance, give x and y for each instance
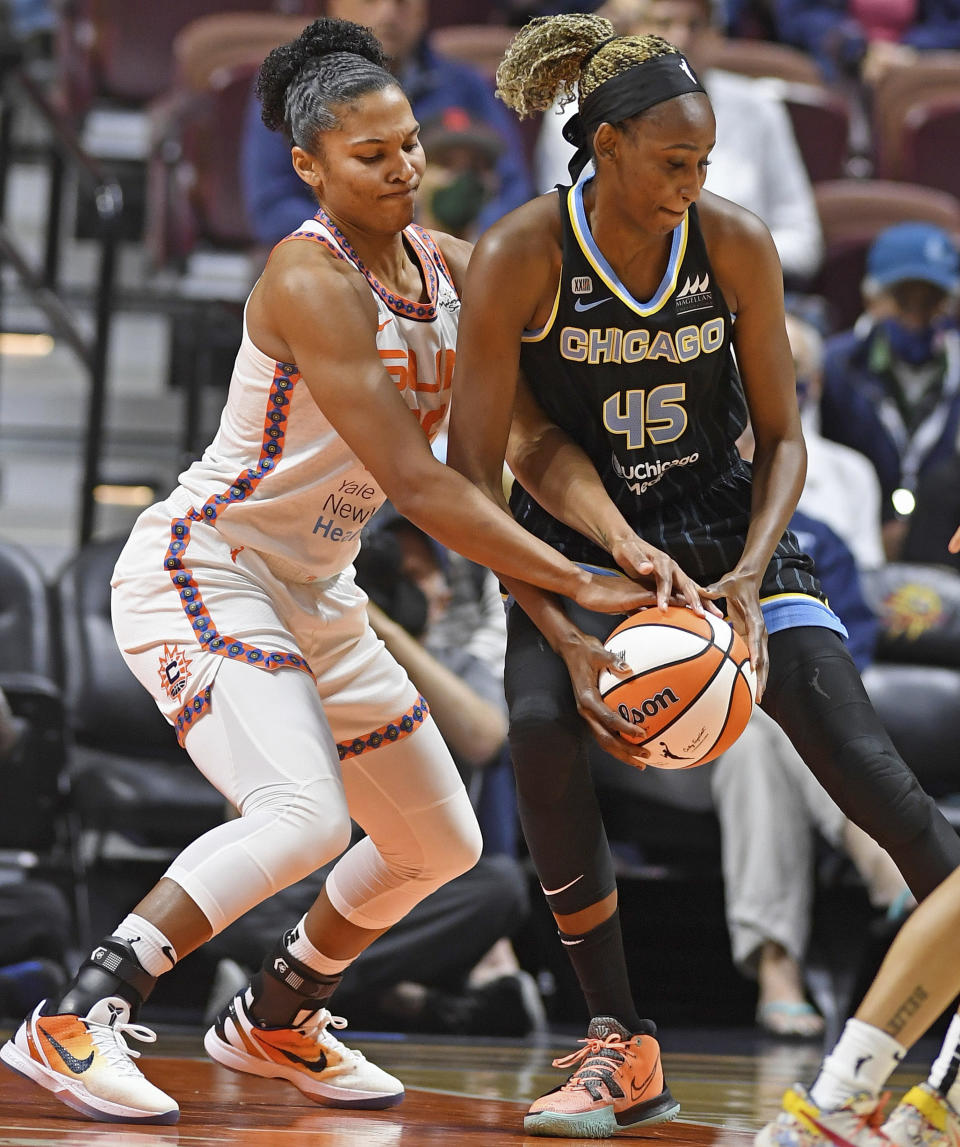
(35, 931)
(930, 525)
(756, 161)
(277, 201)
(461, 175)
(891, 386)
(841, 488)
(866, 38)
(34, 919)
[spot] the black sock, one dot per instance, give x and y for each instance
(599, 960)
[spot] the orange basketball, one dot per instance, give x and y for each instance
(691, 685)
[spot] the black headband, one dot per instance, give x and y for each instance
(617, 99)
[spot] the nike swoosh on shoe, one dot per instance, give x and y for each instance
(315, 1065)
(77, 1066)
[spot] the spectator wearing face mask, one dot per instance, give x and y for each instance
(461, 176)
(891, 386)
(277, 201)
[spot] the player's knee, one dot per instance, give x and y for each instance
(313, 822)
(544, 745)
(887, 800)
(458, 855)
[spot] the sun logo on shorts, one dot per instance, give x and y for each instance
(174, 671)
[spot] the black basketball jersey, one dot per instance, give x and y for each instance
(650, 390)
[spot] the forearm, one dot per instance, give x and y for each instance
(545, 611)
(465, 519)
(560, 476)
(473, 728)
(778, 476)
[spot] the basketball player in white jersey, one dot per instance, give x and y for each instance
(235, 605)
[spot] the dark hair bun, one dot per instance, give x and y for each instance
(319, 39)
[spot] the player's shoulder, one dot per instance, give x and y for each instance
(733, 235)
(532, 229)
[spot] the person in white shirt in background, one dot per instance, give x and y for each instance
(756, 161)
(841, 487)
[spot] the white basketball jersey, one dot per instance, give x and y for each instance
(277, 477)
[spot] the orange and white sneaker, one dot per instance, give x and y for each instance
(618, 1083)
(307, 1054)
(85, 1062)
(923, 1118)
(801, 1123)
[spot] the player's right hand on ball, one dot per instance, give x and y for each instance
(586, 658)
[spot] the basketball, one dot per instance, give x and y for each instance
(691, 684)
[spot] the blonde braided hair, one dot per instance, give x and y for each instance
(545, 61)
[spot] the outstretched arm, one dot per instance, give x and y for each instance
(313, 310)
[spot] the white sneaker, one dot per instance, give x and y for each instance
(308, 1054)
(923, 1118)
(802, 1124)
(85, 1062)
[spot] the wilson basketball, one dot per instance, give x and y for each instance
(691, 684)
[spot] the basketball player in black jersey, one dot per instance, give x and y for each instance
(613, 303)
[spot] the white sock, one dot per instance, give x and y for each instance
(945, 1072)
(297, 944)
(862, 1060)
(153, 950)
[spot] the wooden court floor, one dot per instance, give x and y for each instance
(468, 1093)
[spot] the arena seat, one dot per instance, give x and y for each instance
(134, 791)
(928, 144)
(932, 75)
(107, 49)
(821, 122)
(34, 822)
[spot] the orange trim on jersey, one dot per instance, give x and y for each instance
(434, 248)
(386, 734)
(339, 244)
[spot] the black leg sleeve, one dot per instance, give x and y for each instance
(815, 694)
(555, 795)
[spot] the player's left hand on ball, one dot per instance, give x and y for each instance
(638, 559)
(586, 658)
(744, 614)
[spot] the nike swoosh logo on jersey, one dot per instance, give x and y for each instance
(380, 326)
(580, 305)
(77, 1066)
(315, 1065)
(554, 891)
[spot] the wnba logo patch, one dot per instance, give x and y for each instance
(174, 671)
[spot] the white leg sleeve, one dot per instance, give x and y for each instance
(266, 745)
(422, 831)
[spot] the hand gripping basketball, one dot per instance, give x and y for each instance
(691, 684)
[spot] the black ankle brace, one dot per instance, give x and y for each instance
(111, 969)
(284, 986)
